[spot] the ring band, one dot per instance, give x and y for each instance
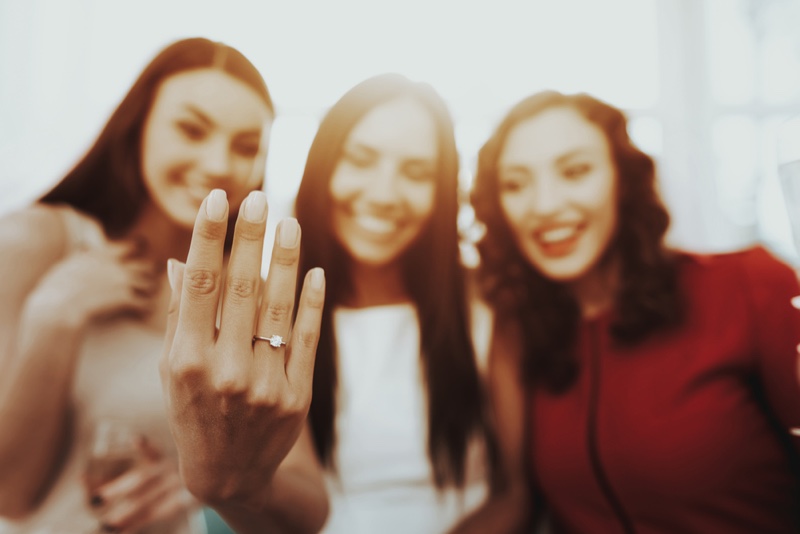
(274, 340)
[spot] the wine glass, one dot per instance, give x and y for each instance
(112, 451)
(789, 173)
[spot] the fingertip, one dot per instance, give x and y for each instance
(317, 278)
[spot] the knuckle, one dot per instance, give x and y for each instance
(249, 232)
(264, 396)
(285, 258)
(201, 282)
(186, 370)
(308, 340)
(241, 288)
(230, 385)
(278, 311)
(315, 301)
(212, 231)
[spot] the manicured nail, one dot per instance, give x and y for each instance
(317, 278)
(255, 206)
(171, 273)
(216, 204)
(96, 501)
(289, 234)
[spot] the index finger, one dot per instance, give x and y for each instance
(202, 274)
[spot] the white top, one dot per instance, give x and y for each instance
(116, 377)
(384, 481)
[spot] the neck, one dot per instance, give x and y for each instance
(595, 291)
(162, 238)
(376, 285)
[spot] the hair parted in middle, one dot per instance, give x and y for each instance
(431, 272)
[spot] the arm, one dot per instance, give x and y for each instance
(771, 287)
(237, 409)
(46, 299)
(509, 507)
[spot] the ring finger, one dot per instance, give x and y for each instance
(275, 316)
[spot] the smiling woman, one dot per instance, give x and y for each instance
(84, 306)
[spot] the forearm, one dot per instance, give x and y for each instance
(294, 502)
(504, 513)
(39, 363)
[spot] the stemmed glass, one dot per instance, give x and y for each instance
(112, 451)
(789, 173)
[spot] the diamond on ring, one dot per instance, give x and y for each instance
(274, 340)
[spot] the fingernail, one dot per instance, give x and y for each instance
(216, 204)
(317, 278)
(289, 234)
(170, 273)
(96, 501)
(255, 206)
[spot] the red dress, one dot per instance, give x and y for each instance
(686, 432)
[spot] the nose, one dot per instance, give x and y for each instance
(547, 196)
(215, 160)
(383, 189)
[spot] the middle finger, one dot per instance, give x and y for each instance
(240, 299)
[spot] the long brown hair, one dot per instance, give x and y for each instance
(648, 297)
(431, 271)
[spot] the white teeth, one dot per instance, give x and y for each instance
(558, 234)
(376, 224)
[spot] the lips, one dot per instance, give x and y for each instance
(377, 226)
(556, 241)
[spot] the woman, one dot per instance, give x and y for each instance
(397, 399)
(395, 424)
(655, 388)
(84, 302)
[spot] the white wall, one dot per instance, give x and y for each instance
(65, 65)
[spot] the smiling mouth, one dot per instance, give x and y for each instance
(379, 226)
(560, 241)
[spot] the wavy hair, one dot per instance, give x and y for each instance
(431, 272)
(647, 298)
(107, 182)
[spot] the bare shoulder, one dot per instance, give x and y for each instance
(33, 239)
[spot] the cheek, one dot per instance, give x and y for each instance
(513, 209)
(421, 199)
(343, 187)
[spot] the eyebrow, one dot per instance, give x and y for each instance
(205, 119)
(571, 154)
(199, 114)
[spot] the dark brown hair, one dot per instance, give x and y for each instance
(432, 275)
(647, 298)
(107, 182)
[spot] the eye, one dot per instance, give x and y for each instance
(577, 170)
(512, 183)
(359, 158)
(191, 130)
(419, 171)
(247, 149)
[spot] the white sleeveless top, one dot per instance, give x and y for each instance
(384, 479)
(116, 377)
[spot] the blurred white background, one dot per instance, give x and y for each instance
(705, 82)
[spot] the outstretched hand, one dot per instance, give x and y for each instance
(236, 406)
